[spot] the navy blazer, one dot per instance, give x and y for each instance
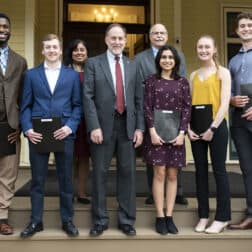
(38, 101)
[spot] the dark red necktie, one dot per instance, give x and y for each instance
(120, 104)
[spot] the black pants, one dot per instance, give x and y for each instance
(242, 138)
(218, 151)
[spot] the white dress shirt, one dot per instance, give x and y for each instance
(52, 75)
(112, 63)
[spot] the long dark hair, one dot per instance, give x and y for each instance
(175, 71)
(67, 57)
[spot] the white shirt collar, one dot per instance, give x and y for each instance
(48, 67)
(111, 56)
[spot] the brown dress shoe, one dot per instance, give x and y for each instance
(244, 224)
(6, 229)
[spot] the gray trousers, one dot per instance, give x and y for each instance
(101, 155)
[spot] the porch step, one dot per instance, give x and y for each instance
(184, 216)
(113, 241)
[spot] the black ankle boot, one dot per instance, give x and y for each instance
(161, 226)
(171, 227)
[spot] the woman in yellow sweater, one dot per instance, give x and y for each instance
(210, 85)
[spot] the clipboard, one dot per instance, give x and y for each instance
(6, 148)
(166, 123)
(46, 126)
(201, 118)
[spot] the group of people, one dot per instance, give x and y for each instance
(107, 106)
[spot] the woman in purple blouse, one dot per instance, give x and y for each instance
(166, 90)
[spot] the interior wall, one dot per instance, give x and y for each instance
(17, 17)
(202, 17)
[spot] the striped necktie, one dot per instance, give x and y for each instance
(3, 62)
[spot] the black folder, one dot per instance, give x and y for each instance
(246, 89)
(6, 148)
(46, 127)
(166, 123)
(201, 118)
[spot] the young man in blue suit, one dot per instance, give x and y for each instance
(51, 90)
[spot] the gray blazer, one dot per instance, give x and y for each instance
(99, 96)
(146, 62)
(13, 82)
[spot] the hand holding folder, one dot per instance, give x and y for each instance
(246, 90)
(6, 148)
(166, 123)
(47, 127)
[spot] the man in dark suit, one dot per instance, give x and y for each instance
(113, 108)
(145, 60)
(12, 68)
(51, 90)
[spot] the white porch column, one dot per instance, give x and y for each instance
(29, 55)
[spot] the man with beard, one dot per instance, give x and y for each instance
(145, 60)
(12, 68)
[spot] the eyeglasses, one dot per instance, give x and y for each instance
(158, 32)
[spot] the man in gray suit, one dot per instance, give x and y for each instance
(113, 109)
(12, 68)
(145, 60)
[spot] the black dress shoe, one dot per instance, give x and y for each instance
(161, 226)
(171, 227)
(70, 229)
(149, 200)
(31, 229)
(84, 201)
(180, 199)
(97, 230)
(127, 229)
(244, 224)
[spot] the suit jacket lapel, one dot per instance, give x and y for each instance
(150, 55)
(106, 69)
(60, 78)
(126, 72)
(42, 75)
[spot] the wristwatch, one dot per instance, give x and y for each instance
(213, 129)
